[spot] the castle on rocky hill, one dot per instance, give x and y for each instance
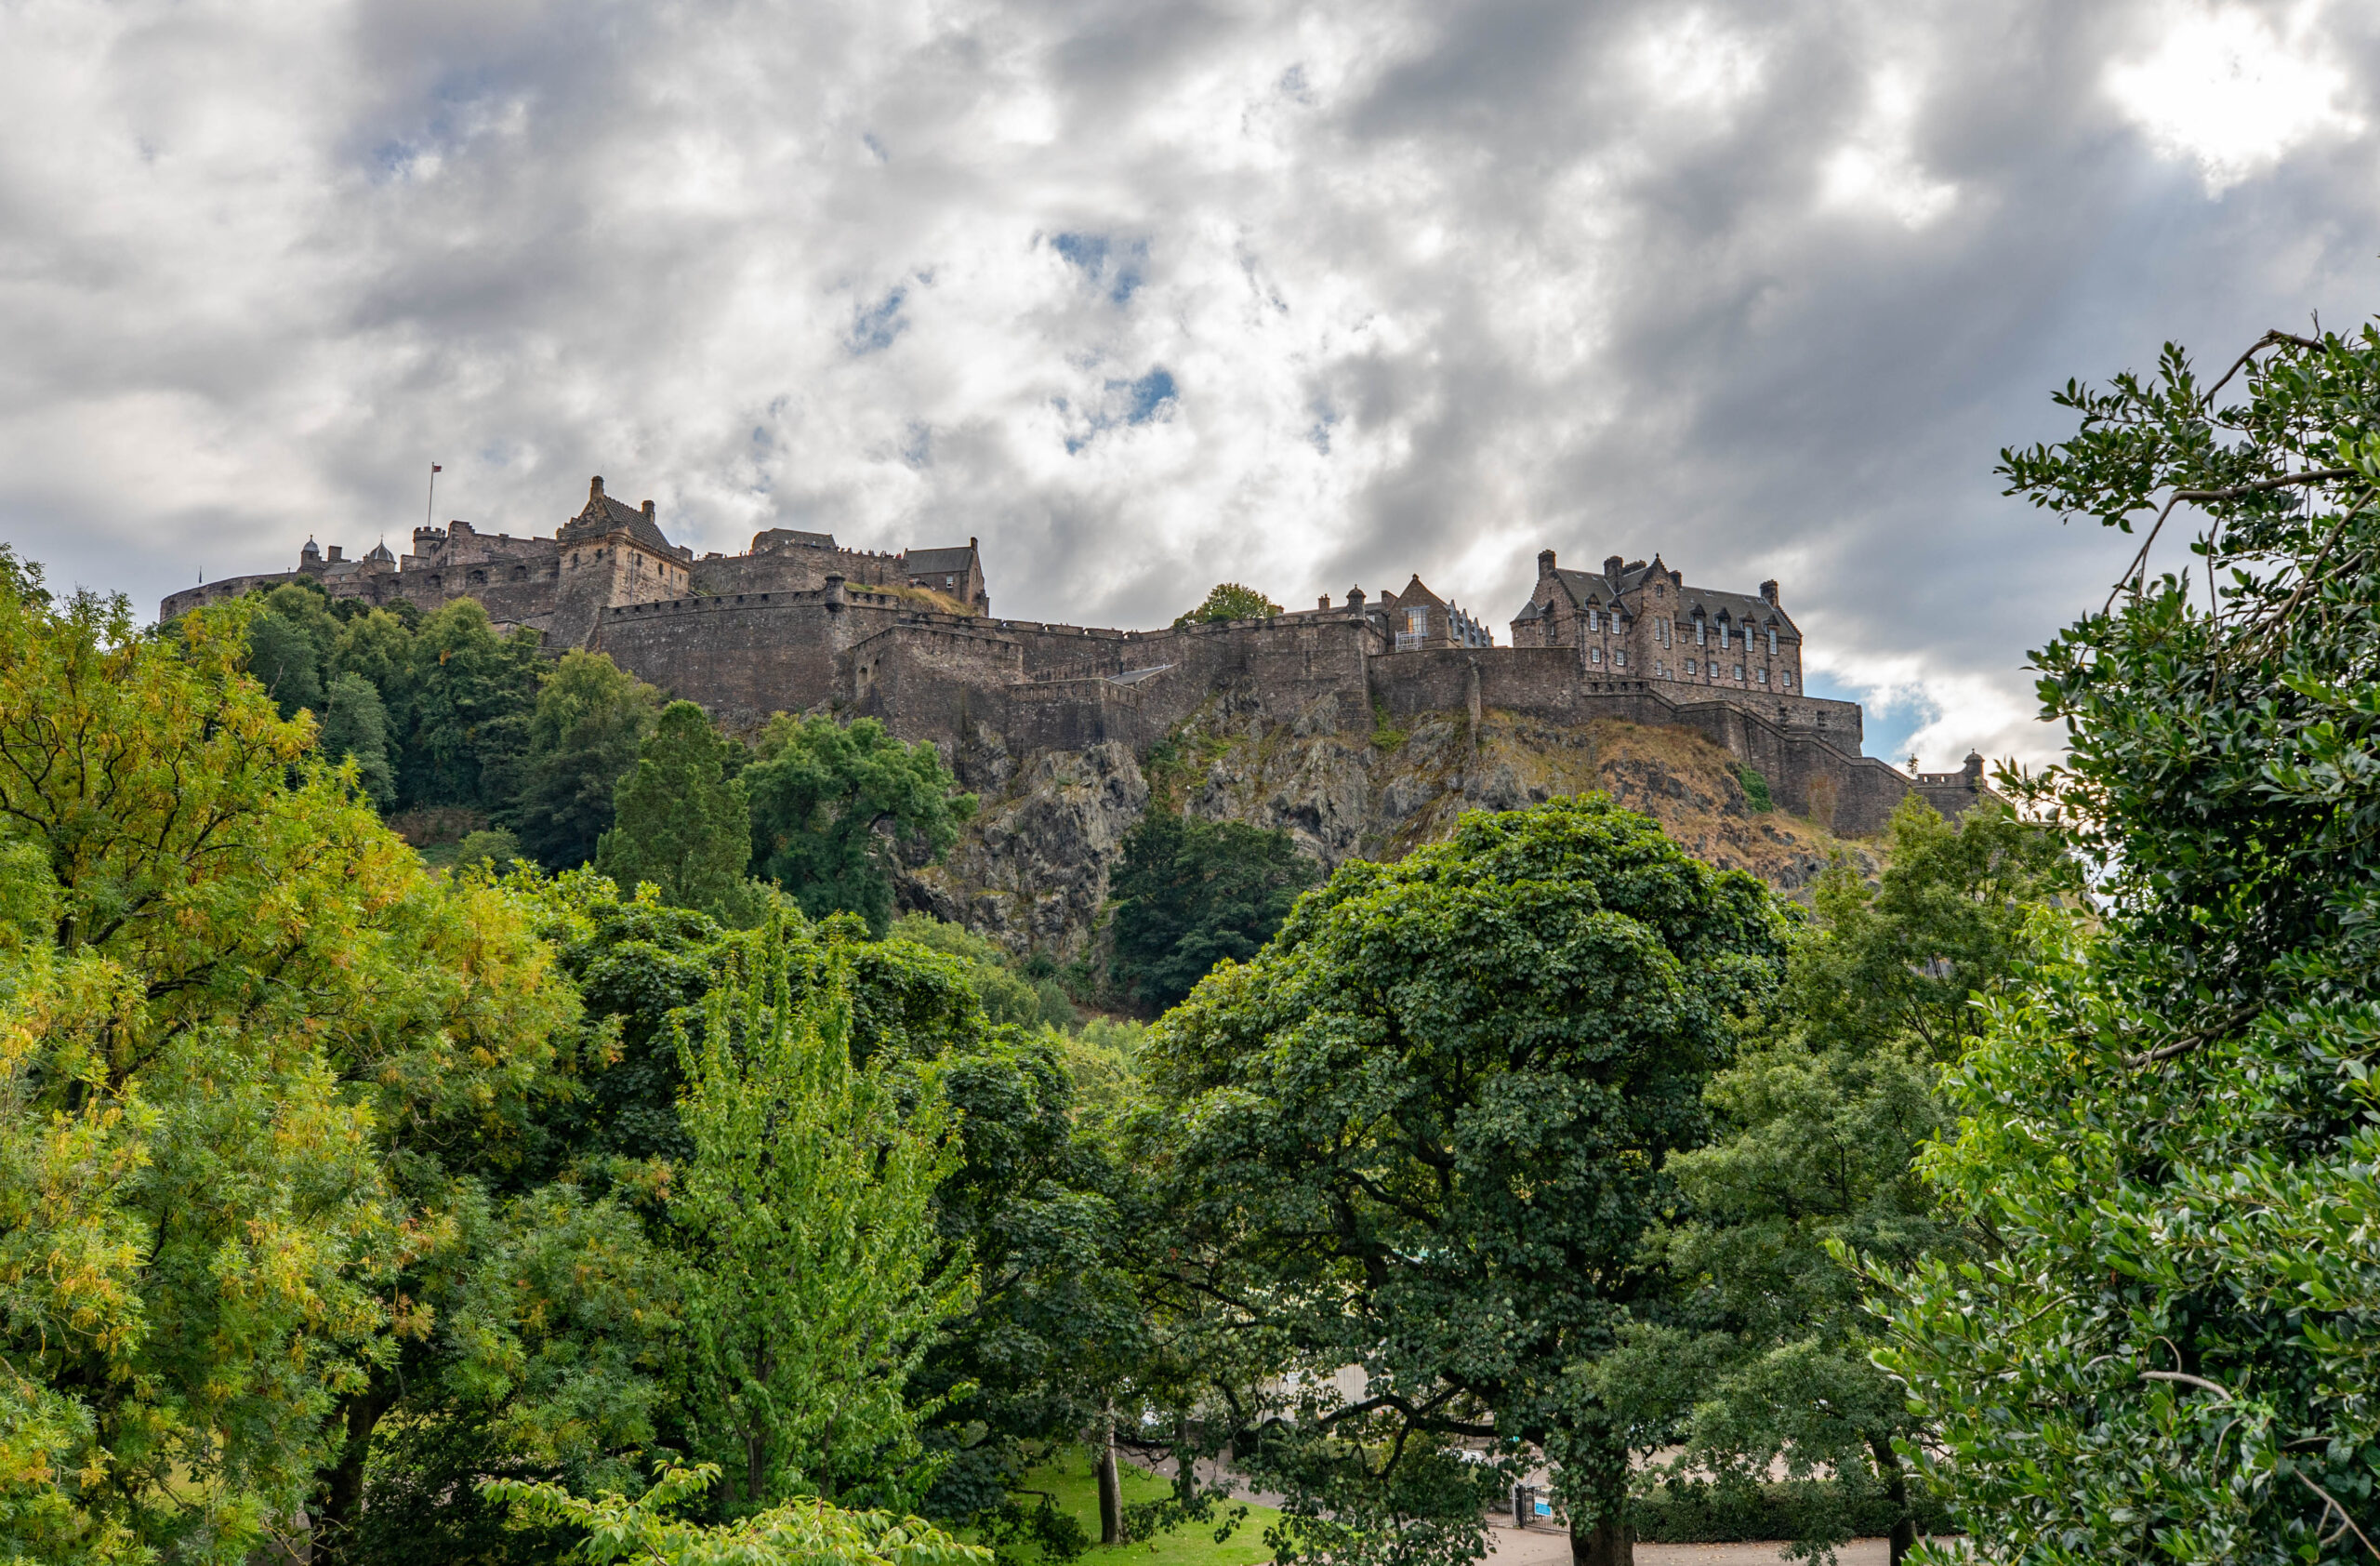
(798, 623)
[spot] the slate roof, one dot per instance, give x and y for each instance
(935, 563)
(604, 515)
(1737, 608)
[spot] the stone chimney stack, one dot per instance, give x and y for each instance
(594, 489)
(1325, 602)
(338, 552)
(1611, 567)
(648, 511)
(1768, 590)
(1544, 564)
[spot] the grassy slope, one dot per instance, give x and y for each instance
(1069, 1480)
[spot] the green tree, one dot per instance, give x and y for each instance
(1006, 995)
(1189, 893)
(2170, 1130)
(1820, 1119)
(813, 1285)
(590, 717)
(470, 695)
(833, 803)
(378, 645)
(1228, 601)
(285, 661)
(1422, 1133)
(355, 726)
(803, 1531)
(235, 1002)
(683, 823)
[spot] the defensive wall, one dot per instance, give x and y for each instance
(968, 682)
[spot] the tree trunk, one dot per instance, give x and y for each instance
(1111, 1486)
(1904, 1535)
(1611, 1540)
(339, 1500)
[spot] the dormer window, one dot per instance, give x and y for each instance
(1701, 631)
(1772, 640)
(1595, 620)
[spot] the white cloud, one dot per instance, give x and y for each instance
(1878, 169)
(2231, 91)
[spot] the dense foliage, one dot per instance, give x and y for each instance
(833, 803)
(682, 820)
(1422, 1133)
(1189, 893)
(2171, 1130)
(1822, 1116)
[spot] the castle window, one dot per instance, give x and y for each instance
(1785, 678)
(1619, 657)
(1739, 671)
(1772, 640)
(1763, 676)
(1702, 631)
(1595, 621)
(1723, 636)
(1595, 654)
(1689, 666)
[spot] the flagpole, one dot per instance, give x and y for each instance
(429, 507)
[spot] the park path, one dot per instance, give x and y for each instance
(1508, 1546)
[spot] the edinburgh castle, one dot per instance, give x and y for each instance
(798, 623)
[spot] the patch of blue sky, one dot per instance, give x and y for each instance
(1889, 719)
(1116, 267)
(1146, 400)
(875, 326)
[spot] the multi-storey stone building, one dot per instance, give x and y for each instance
(797, 623)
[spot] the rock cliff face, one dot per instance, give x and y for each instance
(1031, 870)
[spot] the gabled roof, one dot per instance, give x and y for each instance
(605, 515)
(935, 562)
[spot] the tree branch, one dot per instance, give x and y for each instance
(2317, 475)
(2197, 1381)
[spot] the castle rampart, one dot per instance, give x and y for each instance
(799, 624)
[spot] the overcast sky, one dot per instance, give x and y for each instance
(1147, 294)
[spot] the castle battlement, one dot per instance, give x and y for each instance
(797, 623)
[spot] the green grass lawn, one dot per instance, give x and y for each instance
(1070, 1478)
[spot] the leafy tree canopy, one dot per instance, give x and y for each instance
(682, 822)
(590, 718)
(803, 1531)
(355, 727)
(2170, 1130)
(1820, 1120)
(470, 695)
(833, 803)
(242, 1034)
(813, 1287)
(1189, 893)
(1421, 1132)
(1228, 601)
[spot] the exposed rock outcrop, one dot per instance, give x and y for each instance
(1031, 871)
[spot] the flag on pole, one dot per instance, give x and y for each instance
(436, 469)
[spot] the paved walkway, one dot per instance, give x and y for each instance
(1551, 1546)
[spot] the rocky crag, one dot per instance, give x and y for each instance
(1032, 870)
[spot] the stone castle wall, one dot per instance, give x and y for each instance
(804, 626)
